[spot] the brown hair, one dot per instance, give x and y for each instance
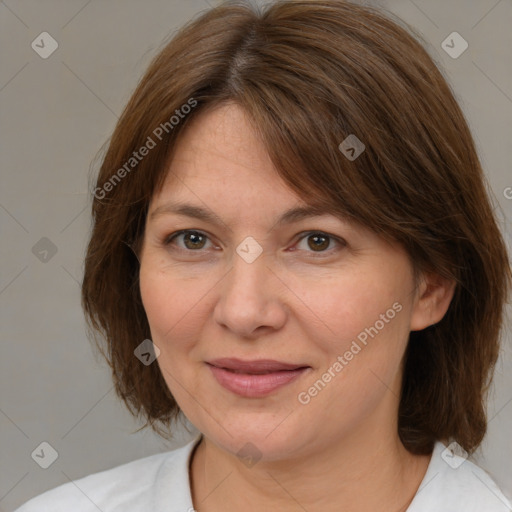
(309, 74)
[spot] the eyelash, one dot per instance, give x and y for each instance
(170, 238)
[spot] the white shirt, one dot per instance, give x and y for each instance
(160, 483)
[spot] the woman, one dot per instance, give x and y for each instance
(293, 246)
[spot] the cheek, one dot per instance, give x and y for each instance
(362, 351)
(156, 299)
(174, 314)
(339, 309)
(176, 309)
(362, 338)
(164, 306)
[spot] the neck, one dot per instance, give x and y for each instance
(369, 470)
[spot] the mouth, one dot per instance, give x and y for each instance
(254, 379)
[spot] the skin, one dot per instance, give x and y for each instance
(294, 303)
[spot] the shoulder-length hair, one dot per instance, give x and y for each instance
(310, 74)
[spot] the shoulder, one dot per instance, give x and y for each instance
(133, 486)
(453, 483)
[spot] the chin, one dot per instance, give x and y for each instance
(265, 439)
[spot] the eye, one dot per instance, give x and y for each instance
(192, 240)
(319, 242)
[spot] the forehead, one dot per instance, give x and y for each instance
(219, 159)
(219, 143)
(221, 173)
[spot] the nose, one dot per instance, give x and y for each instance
(250, 299)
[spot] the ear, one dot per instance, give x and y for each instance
(433, 298)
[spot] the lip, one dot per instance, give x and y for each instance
(255, 378)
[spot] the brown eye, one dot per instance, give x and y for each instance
(318, 242)
(191, 240)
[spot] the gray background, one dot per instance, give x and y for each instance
(56, 114)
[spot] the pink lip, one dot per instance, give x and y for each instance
(254, 378)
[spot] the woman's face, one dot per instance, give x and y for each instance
(330, 302)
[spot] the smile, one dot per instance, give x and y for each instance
(254, 379)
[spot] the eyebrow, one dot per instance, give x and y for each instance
(197, 212)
